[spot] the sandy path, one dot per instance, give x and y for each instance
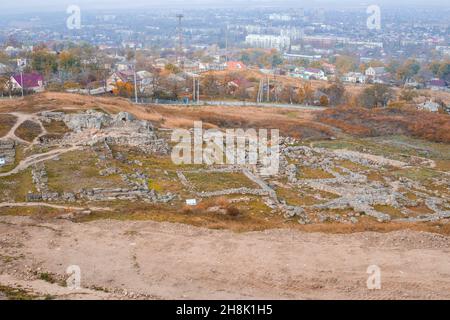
(36, 158)
(54, 206)
(178, 261)
(21, 118)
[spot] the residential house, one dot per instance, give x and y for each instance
(235, 66)
(28, 81)
(191, 66)
(313, 73)
(354, 77)
(411, 83)
(329, 68)
(376, 74)
(241, 86)
(122, 66)
(204, 67)
(143, 79)
(160, 63)
(436, 84)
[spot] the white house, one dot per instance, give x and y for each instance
(375, 72)
(354, 77)
(313, 73)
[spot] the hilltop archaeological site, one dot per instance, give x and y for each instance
(90, 182)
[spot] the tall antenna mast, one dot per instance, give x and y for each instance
(180, 40)
(226, 44)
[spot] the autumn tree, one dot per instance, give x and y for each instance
(346, 64)
(323, 101)
(68, 64)
(210, 86)
(306, 93)
(288, 94)
(3, 85)
(123, 89)
(44, 62)
(336, 93)
(172, 68)
(408, 70)
(376, 95)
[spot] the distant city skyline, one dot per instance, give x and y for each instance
(55, 5)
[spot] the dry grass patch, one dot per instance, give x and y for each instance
(251, 215)
(77, 170)
(28, 130)
(393, 212)
(214, 181)
(56, 128)
(16, 187)
(311, 173)
(41, 213)
(7, 121)
(295, 197)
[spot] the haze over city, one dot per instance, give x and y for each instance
(29, 5)
(229, 149)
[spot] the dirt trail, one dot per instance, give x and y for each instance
(21, 118)
(166, 260)
(49, 205)
(36, 158)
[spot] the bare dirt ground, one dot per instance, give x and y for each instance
(173, 261)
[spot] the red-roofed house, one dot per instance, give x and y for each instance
(28, 81)
(235, 66)
(436, 84)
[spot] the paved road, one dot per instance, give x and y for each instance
(240, 104)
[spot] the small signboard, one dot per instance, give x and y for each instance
(191, 202)
(2, 161)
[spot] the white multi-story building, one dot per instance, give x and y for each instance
(293, 33)
(280, 17)
(445, 50)
(280, 43)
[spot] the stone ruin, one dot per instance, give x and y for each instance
(7, 151)
(353, 190)
(137, 189)
(92, 127)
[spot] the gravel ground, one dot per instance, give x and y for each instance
(150, 260)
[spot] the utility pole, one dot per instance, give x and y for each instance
(135, 78)
(180, 42)
(21, 63)
(21, 80)
(260, 96)
(198, 91)
(194, 88)
(268, 89)
(226, 44)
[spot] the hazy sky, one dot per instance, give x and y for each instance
(28, 5)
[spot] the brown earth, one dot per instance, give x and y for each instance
(166, 261)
